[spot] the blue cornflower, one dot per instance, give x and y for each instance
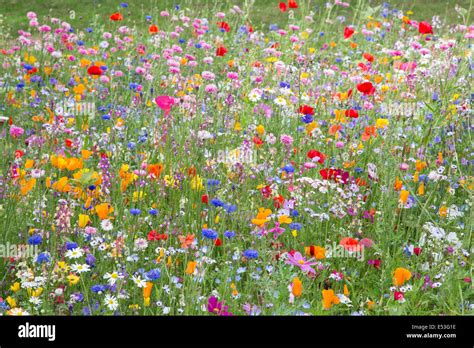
(154, 274)
(250, 254)
(35, 240)
(209, 233)
(229, 234)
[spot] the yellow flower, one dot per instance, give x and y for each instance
(381, 123)
(260, 129)
(404, 196)
(11, 302)
(83, 220)
(262, 217)
(283, 219)
(73, 279)
(15, 287)
(191, 267)
(196, 183)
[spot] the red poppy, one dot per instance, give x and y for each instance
(425, 28)
(153, 29)
(348, 32)
(278, 201)
(292, 4)
(350, 244)
(363, 67)
(306, 110)
(94, 70)
(257, 141)
(19, 153)
(282, 7)
(417, 251)
(313, 153)
(224, 25)
(352, 113)
(116, 17)
(205, 199)
(369, 57)
(221, 51)
(250, 28)
(366, 88)
(68, 142)
(218, 242)
(337, 175)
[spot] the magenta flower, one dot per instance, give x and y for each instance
(165, 103)
(216, 307)
(298, 260)
(16, 132)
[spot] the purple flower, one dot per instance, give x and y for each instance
(216, 307)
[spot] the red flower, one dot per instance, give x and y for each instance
(398, 295)
(348, 32)
(366, 88)
(369, 57)
(417, 251)
(313, 153)
(116, 17)
(363, 67)
(218, 242)
(153, 29)
(19, 153)
(266, 191)
(224, 25)
(306, 110)
(292, 4)
(221, 51)
(282, 7)
(205, 199)
(278, 201)
(68, 142)
(425, 28)
(352, 113)
(257, 141)
(94, 70)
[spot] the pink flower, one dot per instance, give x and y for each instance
(164, 103)
(298, 260)
(16, 132)
(286, 139)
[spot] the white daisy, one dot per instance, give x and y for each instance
(80, 268)
(113, 277)
(111, 302)
(74, 253)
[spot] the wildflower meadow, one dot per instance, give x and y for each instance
(179, 159)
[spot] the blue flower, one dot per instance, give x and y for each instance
(217, 202)
(295, 226)
(135, 211)
(307, 119)
(71, 245)
(154, 274)
(289, 168)
(35, 240)
(43, 258)
(209, 233)
(153, 212)
(98, 288)
(229, 234)
(90, 260)
(250, 254)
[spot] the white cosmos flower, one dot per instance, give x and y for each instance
(106, 225)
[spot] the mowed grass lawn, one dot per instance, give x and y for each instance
(263, 12)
